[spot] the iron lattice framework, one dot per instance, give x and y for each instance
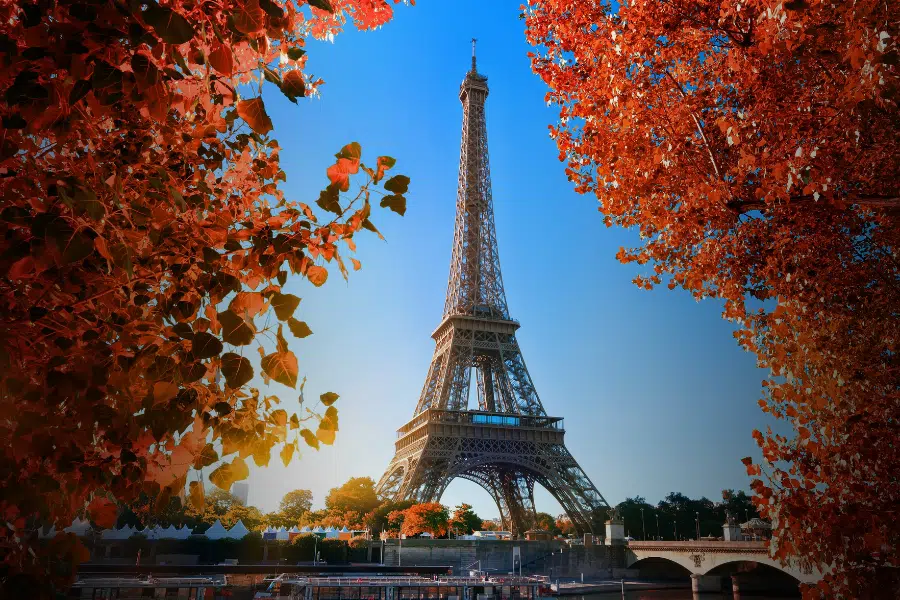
(508, 443)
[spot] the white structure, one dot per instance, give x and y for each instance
(492, 535)
(217, 531)
(241, 491)
(78, 527)
(238, 531)
(615, 532)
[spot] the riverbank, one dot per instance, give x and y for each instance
(577, 588)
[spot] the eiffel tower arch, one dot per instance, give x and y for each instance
(508, 443)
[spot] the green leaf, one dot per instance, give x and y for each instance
(282, 367)
(328, 398)
(206, 345)
(310, 438)
(299, 328)
(397, 184)
(284, 305)
(236, 369)
(295, 53)
(235, 330)
(168, 24)
(395, 203)
(322, 5)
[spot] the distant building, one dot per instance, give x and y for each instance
(241, 491)
(756, 529)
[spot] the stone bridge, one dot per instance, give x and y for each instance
(709, 563)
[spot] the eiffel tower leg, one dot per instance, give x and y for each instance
(489, 481)
(518, 492)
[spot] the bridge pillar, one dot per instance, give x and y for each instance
(705, 583)
(735, 587)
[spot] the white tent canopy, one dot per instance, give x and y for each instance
(78, 527)
(238, 531)
(217, 531)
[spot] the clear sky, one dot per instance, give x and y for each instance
(656, 395)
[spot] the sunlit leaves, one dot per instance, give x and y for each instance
(282, 367)
(249, 18)
(287, 452)
(224, 476)
(299, 328)
(254, 113)
(328, 398)
(144, 232)
(310, 438)
(236, 369)
(735, 173)
(317, 275)
(196, 495)
(221, 59)
(284, 305)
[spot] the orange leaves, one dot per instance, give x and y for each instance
(249, 18)
(196, 495)
(221, 59)
(317, 275)
(282, 367)
(292, 85)
(103, 512)
(286, 454)
(339, 173)
(254, 113)
(163, 391)
(224, 476)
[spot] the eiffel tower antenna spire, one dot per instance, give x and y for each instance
(505, 441)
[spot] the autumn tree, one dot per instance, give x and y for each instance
(546, 522)
(464, 520)
(564, 525)
(357, 495)
(145, 249)
(377, 520)
(295, 504)
(753, 145)
(427, 517)
(489, 525)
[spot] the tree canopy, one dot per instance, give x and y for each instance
(753, 145)
(295, 504)
(428, 517)
(144, 241)
(464, 521)
(356, 495)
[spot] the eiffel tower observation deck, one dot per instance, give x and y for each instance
(508, 443)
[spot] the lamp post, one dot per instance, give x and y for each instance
(698, 526)
(316, 550)
(657, 525)
(643, 527)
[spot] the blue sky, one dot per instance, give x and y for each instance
(656, 395)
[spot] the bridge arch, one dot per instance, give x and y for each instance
(657, 567)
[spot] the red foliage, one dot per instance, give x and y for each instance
(754, 146)
(143, 237)
(428, 517)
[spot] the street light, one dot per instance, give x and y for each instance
(643, 527)
(657, 525)
(698, 526)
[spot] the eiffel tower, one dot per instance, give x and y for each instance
(508, 443)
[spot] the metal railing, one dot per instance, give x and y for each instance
(477, 417)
